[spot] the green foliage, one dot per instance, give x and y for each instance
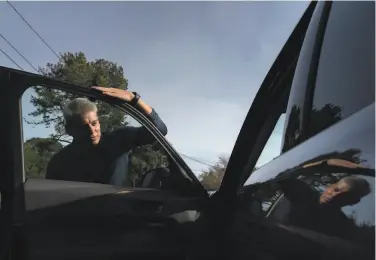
(48, 104)
(212, 178)
(321, 118)
(38, 151)
(324, 117)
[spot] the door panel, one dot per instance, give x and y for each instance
(329, 204)
(12, 203)
(67, 220)
(303, 204)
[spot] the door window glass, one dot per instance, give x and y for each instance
(345, 80)
(297, 97)
(101, 145)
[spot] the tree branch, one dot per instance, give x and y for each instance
(42, 121)
(59, 138)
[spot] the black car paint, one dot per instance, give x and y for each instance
(354, 133)
(262, 236)
(300, 98)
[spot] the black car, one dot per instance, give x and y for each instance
(314, 201)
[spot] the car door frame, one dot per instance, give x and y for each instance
(27, 80)
(252, 137)
(326, 143)
(257, 117)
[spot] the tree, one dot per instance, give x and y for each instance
(321, 118)
(49, 103)
(38, 152)
(324, 117)
(212, 178)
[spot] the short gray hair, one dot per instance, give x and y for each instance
(358, 185)
(76, 108)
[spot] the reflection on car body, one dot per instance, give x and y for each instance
(328, 195)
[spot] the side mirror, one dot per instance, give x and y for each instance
(157, 179)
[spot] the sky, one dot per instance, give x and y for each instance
(199, 64)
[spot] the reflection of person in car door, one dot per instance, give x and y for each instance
(94, 156)
(322, 212)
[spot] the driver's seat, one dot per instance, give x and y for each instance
(156, 179)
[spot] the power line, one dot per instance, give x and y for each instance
(196, 160)
(19, 53)
(31, 27)
(15, 63)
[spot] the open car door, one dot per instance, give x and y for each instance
(327, 131)
(57, 219)
(258, 124)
